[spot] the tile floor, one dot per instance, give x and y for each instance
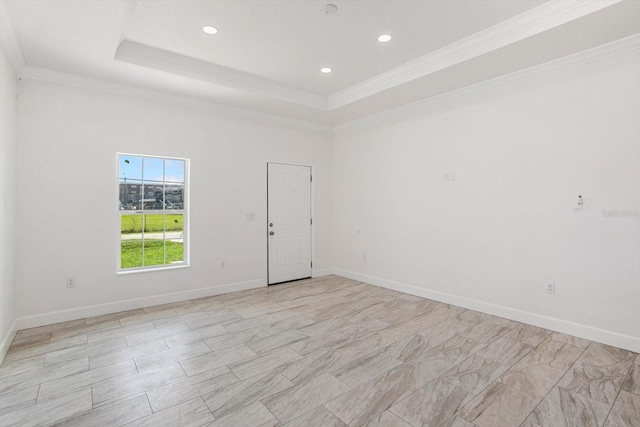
(321, 352)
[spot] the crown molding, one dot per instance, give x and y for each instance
(455, 97)
(73, 80)
(542, 18)
(162, 60)
(9, 41)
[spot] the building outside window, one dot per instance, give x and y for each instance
(152, 212)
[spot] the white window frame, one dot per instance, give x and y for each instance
(184, 211)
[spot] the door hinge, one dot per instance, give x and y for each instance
(311, 264)
(311, 178)
(311, 221)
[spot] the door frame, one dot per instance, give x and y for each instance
(312, 213)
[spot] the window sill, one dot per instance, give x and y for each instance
(151, 269)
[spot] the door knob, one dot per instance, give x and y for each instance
(271, 233)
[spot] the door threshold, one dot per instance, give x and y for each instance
(289, 281)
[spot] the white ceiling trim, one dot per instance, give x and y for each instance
(9, 42)
(162, 60)
(530, 23)
(455, 97)
(73, 80)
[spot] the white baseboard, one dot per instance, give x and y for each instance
(591, 333)
(36, 320)
(8, 339)
(322, 272)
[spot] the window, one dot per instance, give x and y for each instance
(153, 212)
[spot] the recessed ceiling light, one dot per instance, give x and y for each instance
(210, 30)
(326, 70)
(384, 38)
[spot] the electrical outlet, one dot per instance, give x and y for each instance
(71, 282)
(223, 264)
(551, 288)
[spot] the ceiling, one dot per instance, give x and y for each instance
(267, 54)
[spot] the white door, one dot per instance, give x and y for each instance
(289, 222)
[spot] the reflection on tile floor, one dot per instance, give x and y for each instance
(321, 352)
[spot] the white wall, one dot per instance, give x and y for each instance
(505, 228)
(67, 186)
(7, 200)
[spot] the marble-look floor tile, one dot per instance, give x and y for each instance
(20, 343)
(474, 374)
(49, 412)
(554, 353)
(148, 317)
(457, 421)
(214, 318)
(155, 360)
(625, 411)
(372, 398)
(265, 344)
(21, 397)
(113, 316)
(21, 366)
(387, 419)
(56, 327)
(442, 332)
(532, 378)
(193, 413)
(35, 350)
(325, 341)
(234, 339)
(325, 360)
(120, 332)
(158, 333)
(126, 353)
(319, 417)
(214, 359)
(432, 404)
(487, 332)
(48, 373)
(632, 383)
(324, 327)
(237, 395)
(287, 324)
(255, 310)
(190, 388)
(571, 340)
(109, 391)
(505, 351)
(254, 322)
(263, 363)
(82, 351)
(454, 350)
(254, 415)
(195, 336)
(295, 401)
(564, 408)
(498, 406)
(116, 414)
(292, 345)
(601, 383)
(183, 318)
(365, 368)
(529, 334)
(603, 355)
(70, 383)
(85, 329)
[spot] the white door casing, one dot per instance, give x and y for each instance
(288, 222)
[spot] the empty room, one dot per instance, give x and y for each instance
(320, 213)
